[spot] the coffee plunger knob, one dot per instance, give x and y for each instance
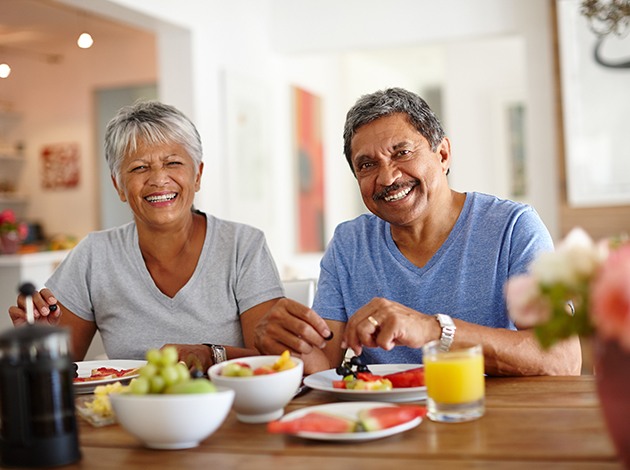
(27, 290)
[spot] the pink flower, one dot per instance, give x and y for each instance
(526, 305)
(22, 231)
(610, 299)
(7, 216)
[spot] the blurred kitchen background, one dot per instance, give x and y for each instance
(499, 73)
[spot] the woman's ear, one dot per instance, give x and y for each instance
(198, 177)
(121, 193)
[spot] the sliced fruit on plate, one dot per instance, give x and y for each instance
(102, 373)
(407, 378)
(375, 419)
(314, 421)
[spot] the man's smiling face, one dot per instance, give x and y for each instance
(397, 172)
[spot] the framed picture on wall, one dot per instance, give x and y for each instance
(595, 101)
(309, 158)
(60, 165)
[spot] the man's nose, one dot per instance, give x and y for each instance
(388, 174)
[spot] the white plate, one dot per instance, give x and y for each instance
(85, 370)
(351, 411)
(323, 381)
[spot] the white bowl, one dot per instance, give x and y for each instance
(260, 398)
(163, 421)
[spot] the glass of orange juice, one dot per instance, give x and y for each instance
(455, 382)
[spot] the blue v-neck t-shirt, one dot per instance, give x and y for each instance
(492, 240)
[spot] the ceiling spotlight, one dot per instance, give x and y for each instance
(5, 70)
(85, 41)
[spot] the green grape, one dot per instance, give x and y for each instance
(182, 372)
(170, 375)
(139, 386)
(169, 356)
(157, 384)
(154, 356)
(149, 370)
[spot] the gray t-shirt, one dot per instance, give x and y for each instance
(104, 279)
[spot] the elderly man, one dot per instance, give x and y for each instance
(428, 263)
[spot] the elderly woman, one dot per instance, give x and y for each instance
(172, 276)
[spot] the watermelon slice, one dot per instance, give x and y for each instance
(313, 422)
(407, 378)
(375, 419)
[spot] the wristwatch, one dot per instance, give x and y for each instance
(218, 353)
(448, 331)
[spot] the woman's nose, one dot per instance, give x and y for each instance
(158, 176)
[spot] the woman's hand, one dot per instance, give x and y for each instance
(385, 324)
(45, 309)
(293, 326)
(195, 356)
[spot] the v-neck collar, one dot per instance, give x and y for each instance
(148, 281)
(455, 231)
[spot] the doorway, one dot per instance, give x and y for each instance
(114, 212)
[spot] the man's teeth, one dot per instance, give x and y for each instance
(161, 198)
(399, 195)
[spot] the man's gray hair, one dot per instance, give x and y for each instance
(370, 107)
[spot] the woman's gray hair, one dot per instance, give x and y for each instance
(149, 122)
(370, 107)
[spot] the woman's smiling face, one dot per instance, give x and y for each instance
(397, 172)
(159, 182)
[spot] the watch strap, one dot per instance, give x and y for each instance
(218, 352)
(448, 331)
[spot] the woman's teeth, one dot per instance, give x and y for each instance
(161, 198)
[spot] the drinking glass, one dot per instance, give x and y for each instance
(455, 382)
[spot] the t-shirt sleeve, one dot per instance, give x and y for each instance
(529, 238)
(328, 302)
(70, 282)
(258, 280)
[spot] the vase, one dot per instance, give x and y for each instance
(9, 243)
(612, 376)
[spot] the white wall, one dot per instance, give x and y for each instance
(311, 43)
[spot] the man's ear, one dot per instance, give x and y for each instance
(444, 151)
(121, 194)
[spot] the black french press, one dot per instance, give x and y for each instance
(38, 425)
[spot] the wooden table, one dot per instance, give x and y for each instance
(534, 422)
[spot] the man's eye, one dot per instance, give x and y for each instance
(365, 166)
(138, 168)
(174, 163)
(403, 153)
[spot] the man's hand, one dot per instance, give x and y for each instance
(385, 324)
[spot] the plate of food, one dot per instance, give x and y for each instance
(356, 422)
(406, 383)
(90, 374)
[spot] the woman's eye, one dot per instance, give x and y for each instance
(138, 168)
(173, 163)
